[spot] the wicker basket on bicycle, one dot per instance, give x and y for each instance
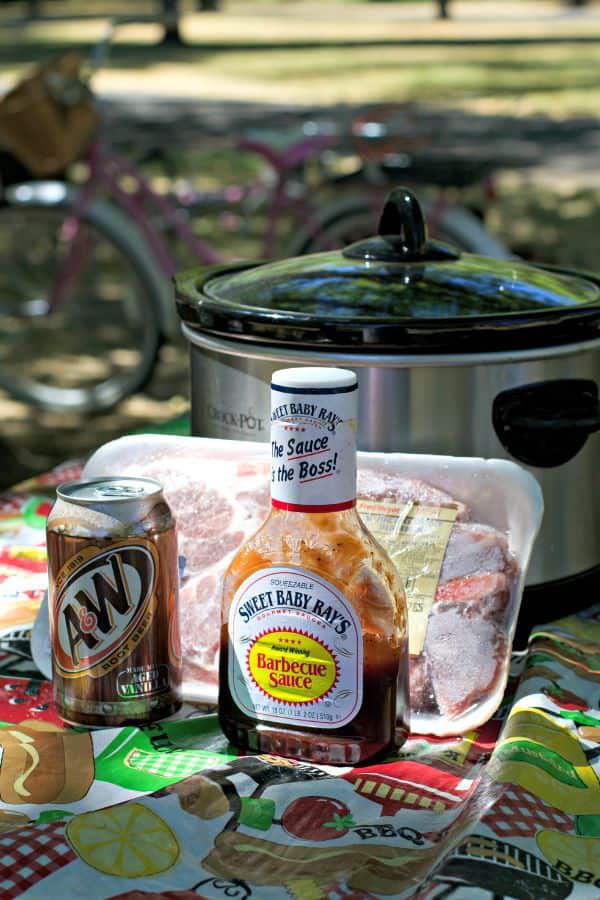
(48, 119)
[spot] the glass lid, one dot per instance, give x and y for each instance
(330, 286)
(397, 290)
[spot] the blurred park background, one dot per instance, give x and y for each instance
(510, 85)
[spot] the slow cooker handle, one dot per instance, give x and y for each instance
(584, 424)
(547, 423)
(402, 235)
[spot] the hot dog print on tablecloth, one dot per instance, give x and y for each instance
(296, 826)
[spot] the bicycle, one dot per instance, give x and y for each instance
(93, 262)
(392, 147)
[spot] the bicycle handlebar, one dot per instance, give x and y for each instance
(69, 88)
(67, 77)
(100, 51)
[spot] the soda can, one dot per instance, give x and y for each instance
(113, 602)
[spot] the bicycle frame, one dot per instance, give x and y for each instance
(107, 173)
(283, 165)
(123, 184)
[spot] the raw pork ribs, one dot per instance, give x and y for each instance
(220, 502)
(466, 642)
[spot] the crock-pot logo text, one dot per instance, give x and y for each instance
(242, 421)
(297, 600)
(103, 609)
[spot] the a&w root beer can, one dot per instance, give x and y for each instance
(113, 602)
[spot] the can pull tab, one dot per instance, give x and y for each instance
(402, 235)
(120, 490)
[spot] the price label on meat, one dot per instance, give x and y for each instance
(416, 538)
(296, 650)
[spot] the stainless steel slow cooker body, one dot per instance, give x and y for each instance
(537, 404)
(424, 405)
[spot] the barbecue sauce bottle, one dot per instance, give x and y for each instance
(314, 653)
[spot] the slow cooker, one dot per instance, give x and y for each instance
(456, 354)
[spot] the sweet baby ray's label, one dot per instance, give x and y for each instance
(313, 449)
(416, 538)
(295, 650)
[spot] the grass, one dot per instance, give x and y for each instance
(293, 52)
(274, 51)
(553, 80)
(557, 80)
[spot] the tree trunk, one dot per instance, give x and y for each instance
(170, 20)
(443, 11)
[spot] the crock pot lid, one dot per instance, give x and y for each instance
(398, 275)
(396, 287)
(329, 286)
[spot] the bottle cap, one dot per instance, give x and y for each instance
(321, 379)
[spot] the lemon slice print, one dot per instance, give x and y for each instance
(129, 841)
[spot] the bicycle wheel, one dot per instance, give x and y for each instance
(341, 224)
(79, 322)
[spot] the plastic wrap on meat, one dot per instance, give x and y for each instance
(487, 596)
(217, 504)
(471, 611)
(466, 655)
(475, 549)
(200, 609)
(422, 693)
(375, 485)
(219, 501)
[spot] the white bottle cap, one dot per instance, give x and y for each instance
(314, 377)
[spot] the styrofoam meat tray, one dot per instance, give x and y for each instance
(498, 493)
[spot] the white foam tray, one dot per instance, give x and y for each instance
(498, 493)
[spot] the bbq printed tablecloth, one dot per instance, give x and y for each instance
(170, 811)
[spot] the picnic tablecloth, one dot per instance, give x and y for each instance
(171, 811)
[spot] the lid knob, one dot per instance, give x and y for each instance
(402, 224)
(402, 234)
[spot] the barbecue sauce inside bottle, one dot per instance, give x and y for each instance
(314, 653)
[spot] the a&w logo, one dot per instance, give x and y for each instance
(103, 608)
